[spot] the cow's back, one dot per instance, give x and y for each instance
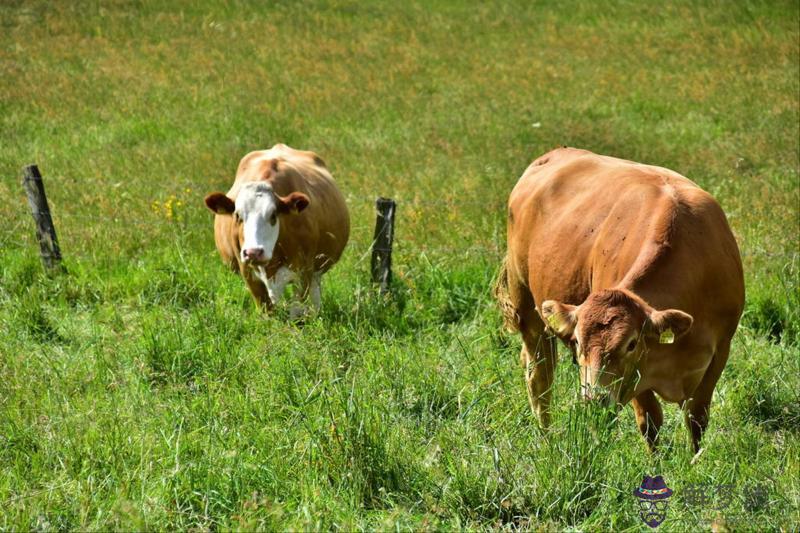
(319, 233)
(580, 222)
(567, 203)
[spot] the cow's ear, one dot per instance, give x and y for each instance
(220, 204)
(668, 325)
(560, 318)
(292, 203)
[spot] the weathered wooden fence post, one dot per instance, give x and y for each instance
(382, 243)
(45, 231)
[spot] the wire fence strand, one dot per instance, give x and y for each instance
(16, 238)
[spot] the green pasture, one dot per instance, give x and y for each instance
(143, 390)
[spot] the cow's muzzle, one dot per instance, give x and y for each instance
(254, 255)
(598, 394)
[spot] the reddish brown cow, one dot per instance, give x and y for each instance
(636, 269)
(283, 220)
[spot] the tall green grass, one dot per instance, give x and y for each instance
(142, 390)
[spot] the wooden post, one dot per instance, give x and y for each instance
(382, 243)
(45, 231)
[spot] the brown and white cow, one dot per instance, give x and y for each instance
(636, 269)
(284, 220)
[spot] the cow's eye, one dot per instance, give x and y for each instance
(236, 217)
(632, 345)
(273, 219)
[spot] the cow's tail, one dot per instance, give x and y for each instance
(503, 297)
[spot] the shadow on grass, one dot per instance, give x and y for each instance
(774, 413)
(431, 296)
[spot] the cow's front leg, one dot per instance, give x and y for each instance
(276, 285)
(649, 417)
(257, 288)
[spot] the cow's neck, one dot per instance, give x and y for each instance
(645, 266)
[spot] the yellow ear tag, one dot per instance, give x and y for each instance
(666, 337)
(554, 321)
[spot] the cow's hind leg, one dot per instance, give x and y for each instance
(538, 355)
(649, 417)
(696, 409)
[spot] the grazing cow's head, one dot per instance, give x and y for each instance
(610, 331)
(257, 212)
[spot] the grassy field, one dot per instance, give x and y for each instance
(143, 390)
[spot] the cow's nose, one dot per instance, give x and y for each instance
(253, 254)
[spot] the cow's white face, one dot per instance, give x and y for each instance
(257, 213)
